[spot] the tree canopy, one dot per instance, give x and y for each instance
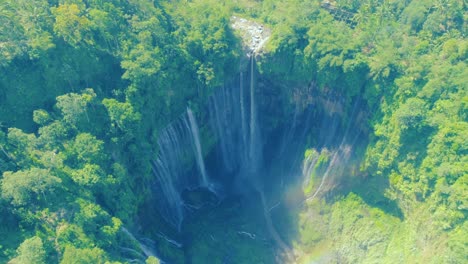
(86, 86)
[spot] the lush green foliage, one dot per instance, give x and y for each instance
(74, 160)
(30, 251)
(77, 168)
(407, 59)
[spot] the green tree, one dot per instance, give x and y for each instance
(5, 158)
(86, 148)
(41, 117)
(25, 188)
(152, 260)
(411, 113)
(74, 106)
(71, 24)
(24, 29)
(89, 175)
(74, 255)
(144, 56)
(122, 115)
(22, 146)
(54, 134)
(97, 223)
(31, 251)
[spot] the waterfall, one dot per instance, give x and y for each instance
(242, 112)
(198, 151)
(225, 122)
(216, 122)
(235, 114)
(253, 144)
(233, 117)
(333, 166)
(178, 146)
(147, 251)
(287, 137)
(309, 166)
(167, 167)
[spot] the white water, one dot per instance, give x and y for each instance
(253, 144)
(147, 251)
(198, 149)
(242, 110)
(219, 133)
(324, 177)
(178, 145)
(167, 167)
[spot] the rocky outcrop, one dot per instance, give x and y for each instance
(254, 35)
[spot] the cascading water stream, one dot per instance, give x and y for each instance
(147, 251)
(330, 167)
(234, 121)
(254, 144)
(225, 155)
(198, 150)
(168, 171)
(242, 113)
(178, 145)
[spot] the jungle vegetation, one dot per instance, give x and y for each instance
(85, 86)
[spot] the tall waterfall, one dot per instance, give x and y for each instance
(254, 144)
(225, 121)
(233, 115)
(242, 109)
(236, 161)
(198, 150)
(179, 148)
(168, 172)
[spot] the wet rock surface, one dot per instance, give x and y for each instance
(254, 35)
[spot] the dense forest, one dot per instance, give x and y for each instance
(88, 89)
